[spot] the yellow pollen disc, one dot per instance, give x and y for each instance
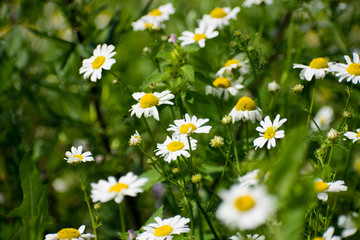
(163, 231)
(358, 134)
(245, 104)
(319, 63)
(185, 128)
(318, 238)
(155, 12)
(118, 187)
(270, 133)
(175, 146)
(231, 62)
(354, 69)
(148, 25)
(321, 186)
(68, 233)
(222, 83)
(244, 203)
(149, 100)
(98, 62)
(218, 13)
(78, 156)
(199, 36)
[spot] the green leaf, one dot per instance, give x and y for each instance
(158, 213)
(155, 77)
(191, 48)
(153, 177)
(187, 72)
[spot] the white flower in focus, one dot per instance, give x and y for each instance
(101, 59)
(148, 102)
(323, 118)
(248, 237)
(174, 147)
(322, 188)
(224, 87)
(220, 17)
(70, 233)
(249, 3)
(244, 207)
(189, 125)
(349, 71)
(217, 141)
(318, 67)
(346, 222)
(245, 109)
(250, 178)
(164, 229)
(269, 132)
(328, 235)
(355, 136)
(76, 155)
(201, 34)
(128, 185)
(273, 86)
(135, 139)
(232, 65)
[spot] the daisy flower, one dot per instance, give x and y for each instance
(355, 136)
(224, 87)
(318, 67)
(174, 147)
(148, 102)
(231, 65)
(164, 229)
(250, 179)
(76, 155)
(201, 34)
(248, 237)
(244, 207)
(328, 235)
(269, 131)
(70, 233)
(349, 227)
(135, 139)
(323, 118)
(145, 23)
(220, 17)
(349, 71)
(245, 109)
(101, 59)
(322, 188)
(249, 3)
(189, 125)
(217, 142)
(160, 14)
(128, 185)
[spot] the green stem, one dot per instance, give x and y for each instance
(247, 136)
(206, 217)
(122, 221)
(149, 131)
(145, 153)
(343, 121)
(121, 82)
(235, 150)
(253, 70)
(190, 159)
(348, 160)
(331, 152)
(310, 109)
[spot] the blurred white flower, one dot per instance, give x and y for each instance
(220, 17)
(323, 118)
(231, 65)
(238, 236)
(217, 141)
(273, 86)
(249, 3)
(328, 235)
(346, 222)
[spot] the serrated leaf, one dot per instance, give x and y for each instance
(155, 77)
(153, 177)
(187, 72)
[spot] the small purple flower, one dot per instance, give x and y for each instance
(132, 234)
(172, 39)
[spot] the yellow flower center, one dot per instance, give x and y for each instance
(321, 186)
(319, 63)
(199, 36)
(163, 231)
(270, 133)
(318, 238)
(118, 187)
(354, 69)
(68, 233)
(98, 62)
(218, 13)
(149, 100)
(78, 156)
(148, 25)
(175, 146)
(185, 128)
(231, 62)
(245, 104)
(222, 83)
(358, 134)
(155, 12)
(244, 203)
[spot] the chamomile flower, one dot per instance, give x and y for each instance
(250, 178)
(224, 87)
(160, 14)
(201, 34)
(349, 71)
(148, 102)
(231, 65)
(322, 188)
(135, 139)
(238, 236)
(347, 223)
(217, 142)
(145, 23)
(76, 155)
(101, 59)
(323, 118)
(355, 136)
(220, 17)
(174, 147)
(273, 86)
(269, 132)
(318, 67)
(189, 125)
(164, 229)
(249, 3)
(70, 233)
(244, 207)
(328, 235)
(128, 185)
(245, 109)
